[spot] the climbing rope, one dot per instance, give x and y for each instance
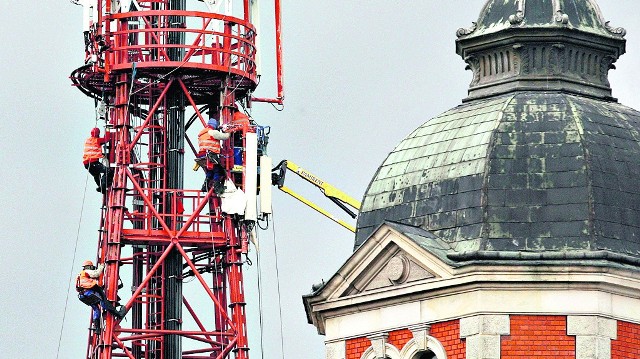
(75, 249)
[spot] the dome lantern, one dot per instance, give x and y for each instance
(562, 45)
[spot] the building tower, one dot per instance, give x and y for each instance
(508, 226)
(158, 71)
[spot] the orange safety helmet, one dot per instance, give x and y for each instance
(87, 263)
(95, 132)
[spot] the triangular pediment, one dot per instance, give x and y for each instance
(391, 258)
(399, 269)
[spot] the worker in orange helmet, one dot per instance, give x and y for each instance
(91, 293)
(209, 155)
(91, 159)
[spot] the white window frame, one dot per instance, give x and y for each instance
(390, 351)
(413, 347)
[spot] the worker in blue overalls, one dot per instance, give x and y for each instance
(209, 155)
(91, 293)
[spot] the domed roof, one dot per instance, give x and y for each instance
(583, 15)
(528, 172)
(539, 162)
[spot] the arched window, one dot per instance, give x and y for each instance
(430, 348)
(425, 355)
(390, 353)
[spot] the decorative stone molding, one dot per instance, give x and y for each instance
(550, 65)
(482, 333)
(618, 31)
(593, 335)
(422, 342)
(466, 31)
(606, 64)
(378, 344)
(561, 17)
(336, 350)
(398, 270)
(420, 334)
(473, 64)
(517, 18)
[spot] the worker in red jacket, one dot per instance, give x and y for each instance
(209, 155)
(91, 293)
(91, 159)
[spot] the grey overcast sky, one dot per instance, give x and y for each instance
(360, 75)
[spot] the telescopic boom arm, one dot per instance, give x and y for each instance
(338, 197)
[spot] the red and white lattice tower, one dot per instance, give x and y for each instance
(161, 68)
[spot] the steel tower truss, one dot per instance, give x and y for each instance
(166, 247)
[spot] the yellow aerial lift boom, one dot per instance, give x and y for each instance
(335, 195)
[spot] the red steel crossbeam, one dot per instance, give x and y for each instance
(116, 215)
(153, 110)
(192, 103)
(150, 333)
(195, 317)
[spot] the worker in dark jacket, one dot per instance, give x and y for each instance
(209, 155)
(91, 293)
(91, 160)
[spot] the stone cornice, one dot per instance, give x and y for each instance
(476, 279)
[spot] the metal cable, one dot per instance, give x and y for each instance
(160, 78)
(217, 315)
(275, 251)
(260, 307)
(75, 249)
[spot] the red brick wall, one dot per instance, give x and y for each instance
(356, 347)
(627, 346)
(399, 338)
(538, 337)
(448, 333)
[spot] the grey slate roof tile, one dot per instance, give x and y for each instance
(524, 172)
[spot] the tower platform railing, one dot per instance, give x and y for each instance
(212, 42)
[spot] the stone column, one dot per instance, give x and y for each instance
(593, 335)
(378, 344)
(482, 333)
(421, 335)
